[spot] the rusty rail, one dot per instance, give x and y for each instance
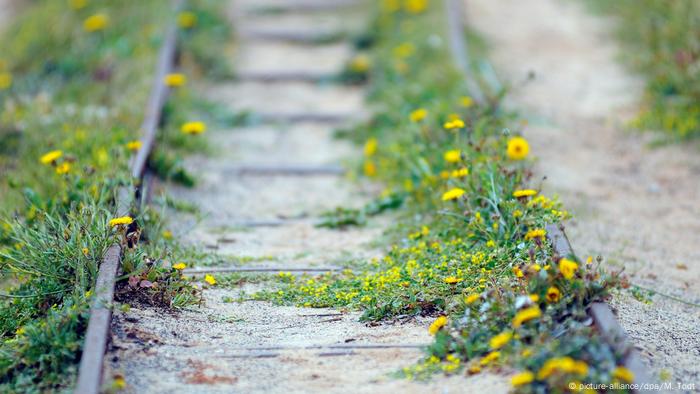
(97, 334)
(604, 319)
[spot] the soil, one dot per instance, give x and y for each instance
(255, 346)
(637, 206)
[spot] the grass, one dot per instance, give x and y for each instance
(471, 247)
(74, 81)
(661, 43)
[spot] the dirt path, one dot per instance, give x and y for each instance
(638, 207)
(256, 346)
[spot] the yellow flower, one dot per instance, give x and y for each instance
(179, 266)
(85, 252)
(500, 340)
(524, 193)
(562, 364)
(553, 294)
(522, 378)
(175, 80)
(167, 234)
(435, 326)
(537, 233)
(370, 147)
(453, 194)
(194, 128)
(462, 172)
(120, 221)
(369, 168)
(452, 156)
(487, 359)
(95, 23)
(187, 20)
(404, 50)
(415, 6)
(452, 280)
(526, 315)
(5, 80)
(453, 124)
(209, 279)
(534, 297)
(133, 145)
(51, 157)
(78, 4)
(63, 168)
(418, 115)
(568, 268)
(466, 101)
(518, 148)
(517, 272)
(471, 298)
(623, 374)
(360, 63)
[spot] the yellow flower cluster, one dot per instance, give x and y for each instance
(453, 194)
(562, 365)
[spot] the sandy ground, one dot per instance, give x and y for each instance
(637, 206)
(255, 346)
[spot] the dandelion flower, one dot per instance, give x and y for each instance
(500, 340)
(63, 168)
(85, 252)
(453, 194)
(524, 193)
(120, 221)
(175, 80)
(452, 156)
(415, 6)
(454, 124)
(451, 280)
(51, 157)
(360, 63)
(418, 115)
(78, 4)
(370, 147)
(472, 298)
(435, 326)
(179, 266)
(5, 80)
(209, 279)
(133, 145)
(522, 378)
(568, 268)
(518, 148)
(623, 374)
(537, 233)
(466, 101)
(526, 315)
(489, 358)
(187, 20)
(369, 168)
(462, 172)
(193, 128)
(553, 294)
(95, 23)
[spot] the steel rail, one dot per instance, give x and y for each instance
(604, 319)
(97, 334)
(601, 313)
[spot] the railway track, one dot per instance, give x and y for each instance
(90, 378)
